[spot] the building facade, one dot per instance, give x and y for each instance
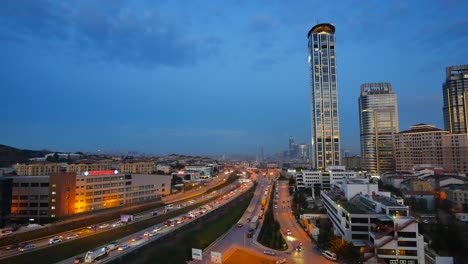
(457, 194)
(5, 200)
(81, 167)
(325, 130)
(455, 89)
(63, 194)
(378, 118)
(323, 179)
(137, 167)
(455, 152)
(37, 168)
(422, 144)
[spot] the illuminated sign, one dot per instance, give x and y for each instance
(104, 172)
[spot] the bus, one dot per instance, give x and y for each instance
(254, 222)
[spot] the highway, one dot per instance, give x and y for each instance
(109, 225)
(236, 238)
(140, 238)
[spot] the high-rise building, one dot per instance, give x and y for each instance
(422, 144)
(455, 91)
(325, 140)
(378, 116)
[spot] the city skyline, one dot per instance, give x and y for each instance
(168, 78)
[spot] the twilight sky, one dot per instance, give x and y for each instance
(210, 77)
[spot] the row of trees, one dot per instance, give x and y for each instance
(270, 234)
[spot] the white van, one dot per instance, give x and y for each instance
(329, 255)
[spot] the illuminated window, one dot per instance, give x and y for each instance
(52, 207)
(54, 193)
(54, 185)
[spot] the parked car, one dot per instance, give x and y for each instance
(288, 232)
(269, 252)
(329, 255)
(27, 247)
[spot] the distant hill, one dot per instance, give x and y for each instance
(10, 155)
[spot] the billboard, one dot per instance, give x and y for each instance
(126, 218)
(197, 253)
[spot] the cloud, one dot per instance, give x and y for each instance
(109, 30)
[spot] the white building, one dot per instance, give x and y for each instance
(164, 168)
(205, 171)
(362, 215)
(323, 179)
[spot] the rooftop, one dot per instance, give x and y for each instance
(420, 128)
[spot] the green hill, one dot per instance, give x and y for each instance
(10, 155)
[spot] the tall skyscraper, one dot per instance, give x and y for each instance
(378, 118)
(455, 91)
(325, 130)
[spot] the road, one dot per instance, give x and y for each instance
(106, 226)
(236, 237)
(287, 222)
(139, 239)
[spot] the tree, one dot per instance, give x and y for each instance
(351, 254)
(292, 181)
(338, 246)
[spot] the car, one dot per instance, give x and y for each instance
(137, 238)
(54, 240)
(329, 255)
(298, 248)
(13, 246)
(113, 246)
(269, 252)
(250, 233)
(27, 247)
(116, 224)
(146, 234)
(288, 232)
(104, 226)
(91, 227)
(239, 225)
(83, 232)
(154, 213)
(123, 247)
(72, 236)
(152, 233)
(78, 260)
(157, 229)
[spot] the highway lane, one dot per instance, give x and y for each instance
(134, 242)
(106, 226)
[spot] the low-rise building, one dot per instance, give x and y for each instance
(141, 167)
(323, 179)
(164, 168)
(63, 194)
(81, 167)
(382, 226)
(37, 168)
(205, 172)
(457, 194)
(427, 196)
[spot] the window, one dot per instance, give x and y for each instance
(52, 207)
(34, 184)
(44, 184)
(24, 184)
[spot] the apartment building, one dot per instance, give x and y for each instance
(142, 167)
(82, 167)
(37, 168)
(375, 222)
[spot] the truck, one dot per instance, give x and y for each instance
(96, 254)
(254, 222)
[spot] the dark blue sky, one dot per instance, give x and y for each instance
(209, 77)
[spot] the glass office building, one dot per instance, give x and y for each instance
(325, 128)
(378, 119)
(455, 91)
